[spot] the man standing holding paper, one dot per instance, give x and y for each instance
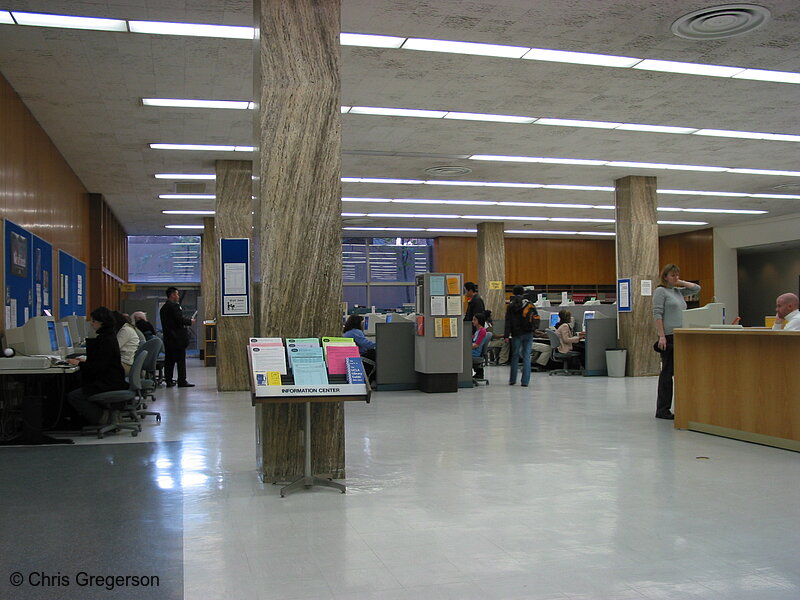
(176, 338)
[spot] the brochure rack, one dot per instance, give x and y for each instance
(337, 390)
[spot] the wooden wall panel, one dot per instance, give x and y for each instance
(38, 189)
(108, 262)
(540, 261)
(693, 252)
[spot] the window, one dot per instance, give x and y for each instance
(164, 258)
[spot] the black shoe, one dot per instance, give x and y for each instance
(185, 384)
(668, 416)
(169, 383)
(512, 383)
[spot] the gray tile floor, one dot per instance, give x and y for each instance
(567, 489)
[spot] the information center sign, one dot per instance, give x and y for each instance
(234, 260)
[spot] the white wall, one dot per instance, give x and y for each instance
(728, 239)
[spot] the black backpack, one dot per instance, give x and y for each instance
(529, 316)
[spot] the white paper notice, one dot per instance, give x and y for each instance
(454, 305)
(234, 305)
(647, 287)
(564, 297)
(438, 305)
(235, 278)
(268, 359)
(624, 295)
(10, 322)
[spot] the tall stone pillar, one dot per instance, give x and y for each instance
(233, 220)
(209, 285)
(492, 267)
(298, 213)
(637, 258)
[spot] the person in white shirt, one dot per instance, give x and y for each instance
(127, 339)
(787, 315)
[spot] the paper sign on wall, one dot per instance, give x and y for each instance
(647, 287)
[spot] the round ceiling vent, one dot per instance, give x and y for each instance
(720, 22)
(448, 171)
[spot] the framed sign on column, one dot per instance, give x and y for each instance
(234, 263)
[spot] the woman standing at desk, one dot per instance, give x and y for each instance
(101, 371)
(668, 307)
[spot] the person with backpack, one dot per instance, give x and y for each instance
(521, 320)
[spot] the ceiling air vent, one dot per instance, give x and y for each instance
(720, 22)
(190, 187)
(448, 171)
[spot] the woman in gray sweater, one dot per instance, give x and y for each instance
(668, 307)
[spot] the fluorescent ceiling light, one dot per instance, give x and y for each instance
(376, 180)
(699, 193)
(210, 176)
(655, 128)
(732, 211)
(187, 196)
(465, 116)
(577, 123)
(185, 103)
(5, 18)
(184, 226)
(370, 41)
(609, 233)
(748, 135)
(485, 184)
(581, 58)
(452, 230)
(669, 66)
(538, 159)
(453, 202)
(773, 76)
(778, 196)
(188, 212)
(397, 112)
(465, 48)
(579, 220)
(345, 109)
(68, 22)
(682, 223)
(668, 166)
(207, 147)
(579, 188)
(544, 205)
(192, 29)
(765, 172)
(540, 232)
(410, 216)
(366, 199)
(605, 206)
(503, 218)
(384, 228)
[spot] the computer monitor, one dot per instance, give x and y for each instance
(77, 328)
(705, 316)
(589, 314)
(37, 336)
(64, 337)
(553, 319)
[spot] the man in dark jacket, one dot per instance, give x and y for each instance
(520, 330)
(176, 338)
(475, 305)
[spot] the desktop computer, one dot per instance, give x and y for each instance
(38, 336)
(705, 316)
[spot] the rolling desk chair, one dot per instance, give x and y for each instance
(562, 357)
(153, 347)
(122, 401)
(480, 362)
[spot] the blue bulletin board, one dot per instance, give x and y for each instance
(71, 285)
(42, 276)
(234, 262)
(18, 274)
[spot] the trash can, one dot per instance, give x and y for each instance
(615, 361)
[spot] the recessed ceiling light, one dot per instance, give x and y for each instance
(465, 116)
(188, 212)
(669, 66)
(206, 147)
(184, 226)
(397, 112)
(192, 29)
(210, 176)
(186, 103)
(68, 22)
(5, 18)
(682, 223)
(581, 58)
(187, 196)
(578, 123)
(464, 48)
(370, 41)
(656, 128)
(773, 76)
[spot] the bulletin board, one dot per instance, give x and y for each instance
(234, 262)
(18, 303)
(42, 276)
(71, 285)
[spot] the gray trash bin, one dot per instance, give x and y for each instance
(615, 362)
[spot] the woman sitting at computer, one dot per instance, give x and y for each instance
(354, 328)
(568, 341)
(100, 370)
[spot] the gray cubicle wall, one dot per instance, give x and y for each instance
(465, 377)
(394, 355)
(601, 334)
(607, 310)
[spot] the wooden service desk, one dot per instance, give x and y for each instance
(739, 383)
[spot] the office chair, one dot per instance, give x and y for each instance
(480, 362)
(562, 357)
(153, 347)
(122, 402)
(159, 378)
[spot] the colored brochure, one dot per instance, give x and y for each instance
(453, 284)
(303, 352)
(355, 370)
(337, 356)
(303, 341)
(346, 340)
(273, 378)
(436, 284)
(267, 358)
(266, 342)
(310, 373)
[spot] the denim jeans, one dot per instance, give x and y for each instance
(521, 344)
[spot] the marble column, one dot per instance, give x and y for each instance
(210, 283)
(233, 220)
(492, 267)
(298, 213)
(637, 258)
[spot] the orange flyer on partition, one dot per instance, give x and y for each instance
(420, 325)
(452, 284)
